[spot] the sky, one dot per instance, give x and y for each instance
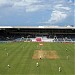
(37, 12)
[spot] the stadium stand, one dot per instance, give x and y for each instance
(37, 33)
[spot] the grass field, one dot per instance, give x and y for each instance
(20, 59)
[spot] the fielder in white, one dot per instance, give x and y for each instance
(40, 57)
(7, 54)
(59, 69)
(66, 49)
(67, 57)
(8, 65)
(37, 64)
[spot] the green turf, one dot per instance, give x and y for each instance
(21, 63)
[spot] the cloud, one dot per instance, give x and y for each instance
(5, 4)
(34, 5)
(32, 1)
(25, 2)
(61, 6)
(57, 16)
(60, 9)
(33, 8)
(19, 4)
(28, 5)
(60, 12)
(3, 1)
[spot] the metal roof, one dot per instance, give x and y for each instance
(38, 27)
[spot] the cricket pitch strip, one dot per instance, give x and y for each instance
(45, 54)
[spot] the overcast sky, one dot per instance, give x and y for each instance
(37, 12)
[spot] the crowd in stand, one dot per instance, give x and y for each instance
(57, 38)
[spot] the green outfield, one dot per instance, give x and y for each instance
(19, 57)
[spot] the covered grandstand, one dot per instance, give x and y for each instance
(37, 33)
